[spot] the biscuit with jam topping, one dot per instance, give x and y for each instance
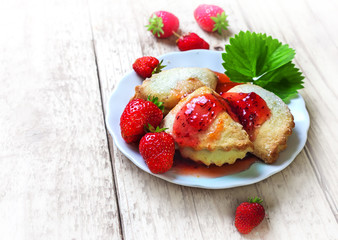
(271, 137)
(205, 130)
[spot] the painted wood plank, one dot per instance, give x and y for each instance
(41, 208)
(318, 65)
(55, 169)
(301, 200)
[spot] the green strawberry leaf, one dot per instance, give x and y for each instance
(284, 81)
(264, 61)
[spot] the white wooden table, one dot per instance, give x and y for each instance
(61, 176)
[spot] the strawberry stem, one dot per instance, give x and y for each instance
(255, 200)
(150, 128)
(176, 34)
(155, 25)
(159, 67)
(221, 22)
(156, 102)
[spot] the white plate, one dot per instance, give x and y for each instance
(212, 60)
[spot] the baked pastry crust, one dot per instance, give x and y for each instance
(223, 141)
(271, 136)
(170, 86)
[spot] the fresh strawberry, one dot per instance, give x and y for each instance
(163, 24)
(147, 66)
(211, 18)
(157, 149)
(249, 215)
(137, 115)
(191, 41)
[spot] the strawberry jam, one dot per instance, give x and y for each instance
(250, 109)
(224, 84)
(196, 116)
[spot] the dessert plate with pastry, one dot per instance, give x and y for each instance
(224, 137)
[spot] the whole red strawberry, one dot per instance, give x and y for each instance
(137, 115)
(249, 215)
(211, 18)
(191, 41)
(158, 149)
(147, 66)
(163, 24)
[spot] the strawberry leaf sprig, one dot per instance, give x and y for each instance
(264, 61)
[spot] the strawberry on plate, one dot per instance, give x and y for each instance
(163, 24)
(191, 41)
(249, 215)
(211, 18)
(147, 66)
(157, 149)
(137, 115)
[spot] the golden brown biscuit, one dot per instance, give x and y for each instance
(223, 141)
(173, 84)
(272, 135)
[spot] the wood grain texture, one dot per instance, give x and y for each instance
(301, 200)
(55, 170)
(62, 179)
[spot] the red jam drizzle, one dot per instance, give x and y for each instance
(195, 116)
(250, 109)
(184, 166)
(224, 84)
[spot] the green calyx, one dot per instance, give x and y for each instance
(221, 22)
(156, 102)
(150, 128)
(159, 67)
(155, 25)
(255, 200)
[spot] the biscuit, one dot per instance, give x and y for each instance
(173, 84)
(222, 142)
(271, 136)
